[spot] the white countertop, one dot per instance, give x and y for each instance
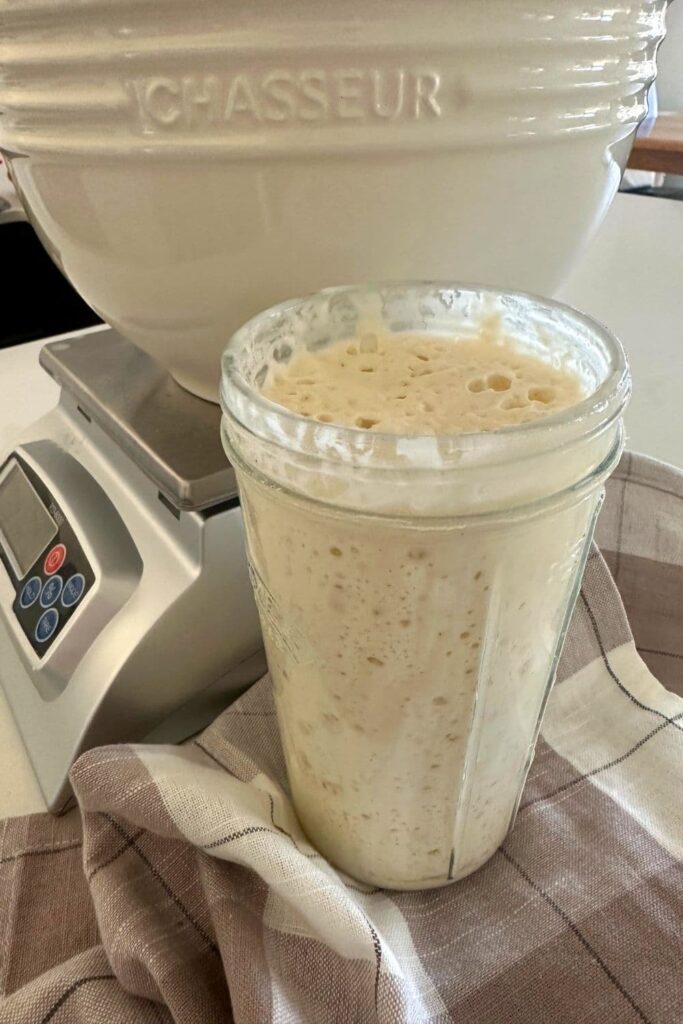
(630, 279)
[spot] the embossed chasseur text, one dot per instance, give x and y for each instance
(305, 96)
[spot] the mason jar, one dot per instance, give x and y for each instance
(415, 590)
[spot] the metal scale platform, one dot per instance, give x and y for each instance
(126, 611)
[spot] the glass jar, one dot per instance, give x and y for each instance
(415, 590)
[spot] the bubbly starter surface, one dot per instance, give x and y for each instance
(412, 384)
(410, 661)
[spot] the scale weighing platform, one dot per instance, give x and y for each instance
(126, 611)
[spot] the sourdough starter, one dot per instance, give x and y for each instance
(411, 657)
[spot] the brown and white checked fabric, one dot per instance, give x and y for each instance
(189, 894)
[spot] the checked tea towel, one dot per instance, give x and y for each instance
(182, 889)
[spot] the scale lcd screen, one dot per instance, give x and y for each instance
(26, 527)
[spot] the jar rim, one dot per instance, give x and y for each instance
(263, 418)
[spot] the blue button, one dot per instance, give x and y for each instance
(29, 594)
(51, 591)
(47, 624)
(73, 590)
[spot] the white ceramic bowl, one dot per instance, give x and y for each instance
(188, 164)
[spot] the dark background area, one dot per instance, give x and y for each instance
(36, 300)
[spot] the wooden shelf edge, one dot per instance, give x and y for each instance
(662, 148)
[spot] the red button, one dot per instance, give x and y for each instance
(54, 560)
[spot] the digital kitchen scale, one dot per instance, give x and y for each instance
(126, 611)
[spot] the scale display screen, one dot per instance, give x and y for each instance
(26, 526)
